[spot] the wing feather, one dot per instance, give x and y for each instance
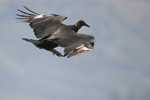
(25, 12)
(74, 44)
(78, 50)
(42, 25)
(30, 10)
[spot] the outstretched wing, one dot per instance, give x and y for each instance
(77, 50)
(43, 25)
(74, 44)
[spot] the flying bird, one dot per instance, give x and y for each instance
(51, 33)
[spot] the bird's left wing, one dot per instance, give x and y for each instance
(42, 25)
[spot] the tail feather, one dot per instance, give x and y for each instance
(42, 44)
(37, 43)
(47, 45)
(32, 41)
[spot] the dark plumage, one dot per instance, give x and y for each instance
(53, 33)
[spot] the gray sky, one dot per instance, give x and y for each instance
(117, 69)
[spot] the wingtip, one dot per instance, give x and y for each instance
(28, 40)
(30, 10)
(24, 6)
(19, 10)
(24, 39)
(68, 56)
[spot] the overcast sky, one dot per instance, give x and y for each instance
(118, 68)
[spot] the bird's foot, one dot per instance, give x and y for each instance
(55, 52)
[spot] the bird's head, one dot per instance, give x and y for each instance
(79, 23)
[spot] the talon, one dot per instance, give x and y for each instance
(55, 52)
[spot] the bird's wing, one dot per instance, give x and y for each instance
(42, 25)
(76, 50)
(74, 44)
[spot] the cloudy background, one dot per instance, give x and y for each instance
(117, 69)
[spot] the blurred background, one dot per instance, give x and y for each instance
(117, 69)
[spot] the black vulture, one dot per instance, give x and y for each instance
(53, 33)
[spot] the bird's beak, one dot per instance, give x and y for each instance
(87, 25)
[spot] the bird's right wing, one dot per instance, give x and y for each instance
(42, 25)
(75, 50)
(74, 44)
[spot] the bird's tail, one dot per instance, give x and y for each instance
(42, 44)
(37, 43)
(32, 41)
(48, 46)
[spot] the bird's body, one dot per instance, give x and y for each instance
(53, 33)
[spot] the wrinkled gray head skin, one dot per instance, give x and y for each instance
(79, 23)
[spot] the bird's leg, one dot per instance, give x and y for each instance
(56, 52)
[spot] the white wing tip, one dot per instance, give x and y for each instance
(79, 50)
(38, 16)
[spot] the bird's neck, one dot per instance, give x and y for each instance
(73, 27)
(77, 25)
(76, 28)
